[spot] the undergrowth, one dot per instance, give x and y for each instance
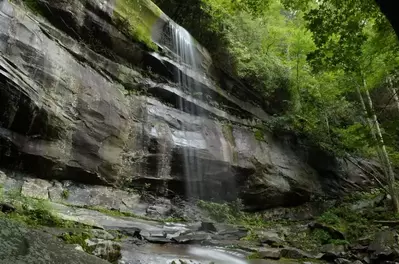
(343, 218)
(118, 213)
(33, 212)
(78, 239)
(232, 213)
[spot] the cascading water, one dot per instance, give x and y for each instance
(183, 45)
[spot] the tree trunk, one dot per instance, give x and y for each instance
(325, 115)
(372, 130)
(394, 93)
(389, 174)
(298, 89)
(395, 97)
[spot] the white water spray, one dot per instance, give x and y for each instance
(183, 45)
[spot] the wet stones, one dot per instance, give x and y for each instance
(104, 249)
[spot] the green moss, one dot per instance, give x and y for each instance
(232, 213)
(218, 212)
(136, 18)
(259, 134)
(362, 195)
(78, 239)
(353, 223)
(254, 255)
(320, 236)
(118, 213)
(34, 6)
(252, 236)
(65, 194)
(329, 218)
(110, 212)
(339, 242)
(33, 212)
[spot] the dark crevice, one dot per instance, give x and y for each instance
(13, 159)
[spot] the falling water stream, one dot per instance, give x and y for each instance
(189, 71)
(183, 45)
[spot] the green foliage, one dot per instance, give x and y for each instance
(232, 213)
(321, 236)
(110, 212)
(252, 236)
(329, 218)
(78, 238)
(254, 255)
(308, 48)
(354, 223)
(65, 194)
(219, 212)
(118, 213)
(33, 212)
(339, 242)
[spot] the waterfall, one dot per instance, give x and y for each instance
(184, 46)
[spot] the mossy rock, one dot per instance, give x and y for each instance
(135, 18)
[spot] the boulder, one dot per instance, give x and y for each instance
(79, 248)
(207, 227)
(104, 249)
(161, 208)
(102, 234)
(57, 193)
(3, 178)
(19, 244)
(332, 251)
(342, 261)
(363, 204)
(230, 232)
(158, 239)
(270, 238)
(192, 238)
(270, 253)
(384, 246)
(295, 253)
(36, 188)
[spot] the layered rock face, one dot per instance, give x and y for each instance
(83, 99)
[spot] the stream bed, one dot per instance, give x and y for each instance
(167, 253)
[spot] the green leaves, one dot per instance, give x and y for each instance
(303, 60)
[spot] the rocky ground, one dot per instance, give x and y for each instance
(126, 227)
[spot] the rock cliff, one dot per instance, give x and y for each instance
(88, 93)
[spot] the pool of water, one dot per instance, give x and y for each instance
(166, 254)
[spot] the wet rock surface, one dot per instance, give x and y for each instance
(104, 249)
(17, 246)
(86, 114)
(384, 246)
(135, 236)
(128, 239)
